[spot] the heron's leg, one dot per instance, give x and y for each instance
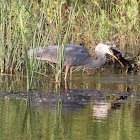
(66, 73)
(66, 87)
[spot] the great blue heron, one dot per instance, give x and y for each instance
(76, 55)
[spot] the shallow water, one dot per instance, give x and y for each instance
(98, 105)
(99, 80)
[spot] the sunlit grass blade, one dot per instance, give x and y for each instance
(63, 42)
(2, 26)
(25, 52)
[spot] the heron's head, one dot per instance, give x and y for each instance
(108, 48)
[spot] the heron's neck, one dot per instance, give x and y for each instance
(99, 61)
(95, 63)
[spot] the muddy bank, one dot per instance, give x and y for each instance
(72, 100)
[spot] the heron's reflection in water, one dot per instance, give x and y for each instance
(101, 109)
(75, 100)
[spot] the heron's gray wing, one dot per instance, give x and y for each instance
(34, 52)
(76, 55)
(48, 54)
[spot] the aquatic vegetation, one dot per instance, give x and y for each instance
(30, 24)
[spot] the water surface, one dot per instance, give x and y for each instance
(98, 106)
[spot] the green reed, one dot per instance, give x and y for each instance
(2, 37)
(25, 52)
(62, 41)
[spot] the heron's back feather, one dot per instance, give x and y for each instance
(75, 55)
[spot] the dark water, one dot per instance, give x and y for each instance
(99, 106)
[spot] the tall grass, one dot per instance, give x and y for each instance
(63, 41)
(28, 24)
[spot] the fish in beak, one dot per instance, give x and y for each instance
(116, 53)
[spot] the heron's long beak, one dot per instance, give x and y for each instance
(117, 59)
(114, 53)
